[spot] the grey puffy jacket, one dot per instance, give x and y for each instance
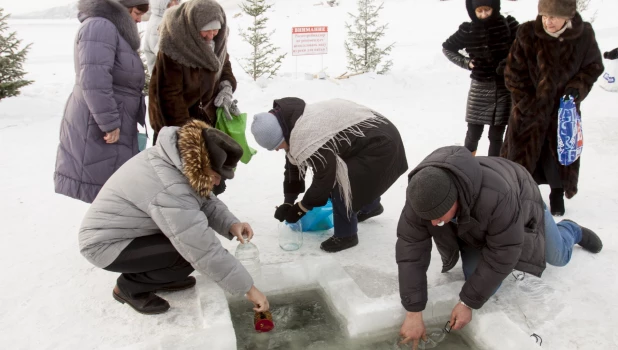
(151, 38)
(150, 195)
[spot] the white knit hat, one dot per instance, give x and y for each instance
(212, 25)
(267, 131)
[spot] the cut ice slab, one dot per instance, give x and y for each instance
(359, 318)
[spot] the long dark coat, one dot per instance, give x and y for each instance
(539, 69)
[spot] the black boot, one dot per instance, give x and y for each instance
(556, 202)
(336, 244)
(364, 216)
(145, 303)
(186, 283)
(590, 240)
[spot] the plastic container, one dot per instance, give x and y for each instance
(290, 235)
(434, 337)
(249, 256)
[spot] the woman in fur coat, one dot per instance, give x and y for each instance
(355, 154)
(487, 40)
(192, 74)
(98, 132)
(554, 56)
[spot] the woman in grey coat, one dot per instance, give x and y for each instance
(155, 220)
(98, 132)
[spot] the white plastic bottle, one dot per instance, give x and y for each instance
(249, 256)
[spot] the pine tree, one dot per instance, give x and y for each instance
(362, 49)
(264, 59)
(11, 61)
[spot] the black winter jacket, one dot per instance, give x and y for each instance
(500, 213)
(374, 161)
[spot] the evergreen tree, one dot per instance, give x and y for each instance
(362, 49)
(11, 61)
(264, 59)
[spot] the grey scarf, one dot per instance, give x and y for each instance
(114, 12)
(180, 35)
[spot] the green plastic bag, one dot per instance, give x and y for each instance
(236, 129)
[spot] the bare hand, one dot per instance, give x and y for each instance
(258, 299)
(112, 136)
(461, 316)
(242, 231)
(470, 65)
(413, 329)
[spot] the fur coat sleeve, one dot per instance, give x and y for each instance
(171, 91)
(591, 68)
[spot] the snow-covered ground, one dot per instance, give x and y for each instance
(53, 298)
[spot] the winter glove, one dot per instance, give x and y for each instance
(611, 55)
(225, 100)
(220, 188)
(573, 92)
(282, 210)
(501, 67)
(294, 213)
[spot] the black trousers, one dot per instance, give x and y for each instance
(495, 136)
(149, 263)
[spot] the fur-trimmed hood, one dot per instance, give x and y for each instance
(194, 156)
(114, 12)
(181, 39)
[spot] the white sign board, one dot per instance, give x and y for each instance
(309, 41)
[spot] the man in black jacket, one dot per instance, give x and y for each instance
(489, 209)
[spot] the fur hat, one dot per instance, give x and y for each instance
(558, 8)
(202, 147)
(132, 3)
(431, 192)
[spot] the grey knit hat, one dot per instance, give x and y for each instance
(212, 25)
(558, 8)
(478, 3)
(267, 131)
(132, 3)
(431, 192)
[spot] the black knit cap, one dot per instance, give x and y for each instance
(431, 192)
(223, 151)
(478, 3)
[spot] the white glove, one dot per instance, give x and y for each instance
(225, 100)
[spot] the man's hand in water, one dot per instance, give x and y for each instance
(258, 299)
(461, 316)
(413, 329)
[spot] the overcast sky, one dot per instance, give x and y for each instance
(25, 6)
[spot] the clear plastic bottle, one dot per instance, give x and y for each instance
(434, 337)
(290, 235)
(249, 256)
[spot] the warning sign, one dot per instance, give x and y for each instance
(309, 41)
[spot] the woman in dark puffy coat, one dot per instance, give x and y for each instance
(487, 40)
(553, 56)
(98, 132)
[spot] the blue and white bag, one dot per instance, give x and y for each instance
(570, 136)
(609, 80)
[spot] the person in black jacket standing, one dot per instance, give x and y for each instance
(487, 40)
(611, 55)
(355, 154)
(489, 210)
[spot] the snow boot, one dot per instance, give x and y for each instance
(590, 240)
(556, 202)
(364, 216)
(186, 283)
(336, 244)
(145, 303)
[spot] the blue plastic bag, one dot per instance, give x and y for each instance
(142, 140)
(570, 135)
(318, 219)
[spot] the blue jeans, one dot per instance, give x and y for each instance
(560, 239)
(344, 226)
